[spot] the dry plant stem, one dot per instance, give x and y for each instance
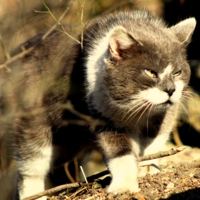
(75, 185)
(7, 55)
(59, 20)
(83, 174)
(17, 57)
(54, 190)
(66, 167)
(177, 137)
(29, 50)
(68, 106)
(74, 194)
(161, 154)
(82, 4)
(76, 169)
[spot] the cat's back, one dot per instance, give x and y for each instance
(42, 70)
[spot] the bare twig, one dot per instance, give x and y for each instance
(82, 5)
(54, 190)
(67, 106)
(76, 169)
(83, 174)
(58, 22)
(82, 189)
(161, 154)
(17, 57)
(29, 50)
(7, 55)
(177, 137)
(66, 167)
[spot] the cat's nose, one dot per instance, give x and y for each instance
(170, 91)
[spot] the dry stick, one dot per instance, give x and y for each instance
(59, 20)
(54, 190)
(66, 168)
(93, 177)
(82, 24)
(76, 169)
(161, 154)
(7, 55)
(67, 106)
(177, 137)
(83, 174)
(29, 50)
(82, 189)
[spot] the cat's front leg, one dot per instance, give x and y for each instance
(33, 157)
(32, 173)
(121, 156)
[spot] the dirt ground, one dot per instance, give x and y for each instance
(179, 179)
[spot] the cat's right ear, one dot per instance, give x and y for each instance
(184, 30)
(120, 40)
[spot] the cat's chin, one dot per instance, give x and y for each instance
(163, 106)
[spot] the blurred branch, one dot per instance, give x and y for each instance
(66, 168)
(58, 22)
(84, 120)
(82, 4)
(7, 55)
(29, 50)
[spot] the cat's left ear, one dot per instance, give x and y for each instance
(120, 40)
(184, 30)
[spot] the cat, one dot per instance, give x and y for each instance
(130, 78)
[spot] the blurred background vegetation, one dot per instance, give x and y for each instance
(22, 19)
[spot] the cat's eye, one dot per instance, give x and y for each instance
(150, 73)
(177, 73)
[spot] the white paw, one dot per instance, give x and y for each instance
(120, 187)
(124, 172)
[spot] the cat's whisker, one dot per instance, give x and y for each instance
(148, 116)
(147, 105)
(190, 92)
(131, 109)
(140, 105)
(183, 108)
(189, 96)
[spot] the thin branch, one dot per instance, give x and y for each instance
(7, 55)
(76, 169)
(84, 120)
(58, 22)
(54, 190)
(83, 174)
(66, 168)
(29, 50)
(82, 5)
(17, 57)
(80, 190)
(161, 154)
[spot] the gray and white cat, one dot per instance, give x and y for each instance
(132, 73)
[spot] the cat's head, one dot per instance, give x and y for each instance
(145, 68)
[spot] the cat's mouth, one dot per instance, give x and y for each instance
(168, 102)
(164, 105)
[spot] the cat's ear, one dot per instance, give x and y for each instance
(184, 29)
(119, 41)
